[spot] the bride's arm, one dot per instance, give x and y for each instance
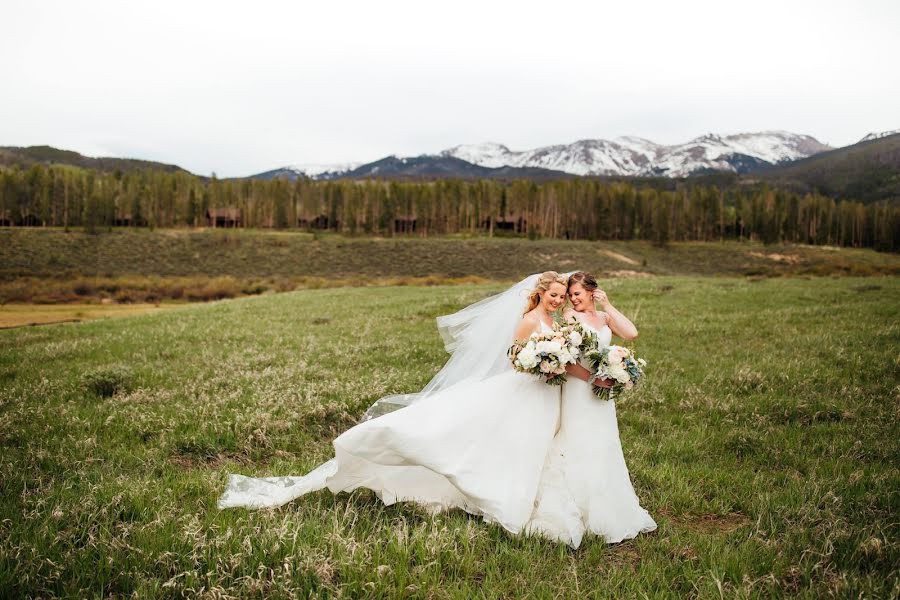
(585, 375)
(618, 323)
(577, 370)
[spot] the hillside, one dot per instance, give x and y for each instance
(25, 157)
(54, 253)
(867, 171)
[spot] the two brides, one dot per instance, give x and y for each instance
(489, 440)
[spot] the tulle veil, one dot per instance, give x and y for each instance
(476, 338)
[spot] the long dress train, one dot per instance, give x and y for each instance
(481, 446)
(508, 448)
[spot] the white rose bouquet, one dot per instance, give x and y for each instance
(578, 336)
(547, 354)
(618, 364)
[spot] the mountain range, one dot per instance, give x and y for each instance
(621, 157)
(868, 170)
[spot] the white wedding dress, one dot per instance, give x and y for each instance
(483, 438)
(479, 445)
(590, 455)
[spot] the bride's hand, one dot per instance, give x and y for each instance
(603, 383)
(601, 298)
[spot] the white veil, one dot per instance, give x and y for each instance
(477, 338)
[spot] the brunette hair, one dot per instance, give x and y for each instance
(587, 281)
(544, 282)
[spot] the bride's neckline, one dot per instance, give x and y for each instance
(586, 323)
(541, 321)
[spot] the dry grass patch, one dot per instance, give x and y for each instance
(712, 524)
(22, 315)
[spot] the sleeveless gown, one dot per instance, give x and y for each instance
(480, 446)
(590, 454)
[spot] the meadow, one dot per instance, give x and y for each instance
(128, 266)
(764, 442)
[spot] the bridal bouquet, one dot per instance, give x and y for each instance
(547, 354)
(617, 363)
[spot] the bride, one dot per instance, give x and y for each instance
(480, 436)
(594, 466)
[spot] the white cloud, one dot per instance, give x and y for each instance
(238, 88)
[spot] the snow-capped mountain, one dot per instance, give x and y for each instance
(878, 136)
(634, 156)
(622, 156)
(315, 170)
(292, 172)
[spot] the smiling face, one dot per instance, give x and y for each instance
(554, 297)
(582, 299)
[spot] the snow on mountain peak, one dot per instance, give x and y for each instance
(314, 170)
(876, 135)
(630, 156)
(488, 154)
(635, 156)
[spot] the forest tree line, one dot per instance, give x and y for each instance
(568, 209)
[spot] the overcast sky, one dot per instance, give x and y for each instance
(243, 87)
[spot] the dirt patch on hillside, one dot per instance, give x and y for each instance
(628, 273)
(620, 257)
(788, 259)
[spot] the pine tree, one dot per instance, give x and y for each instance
(192, 208)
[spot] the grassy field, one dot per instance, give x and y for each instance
(765, 443)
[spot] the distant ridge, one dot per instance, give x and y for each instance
(47, 155)
(866, 171)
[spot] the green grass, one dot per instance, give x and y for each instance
(765, 444)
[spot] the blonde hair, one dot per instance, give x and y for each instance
(544, 282)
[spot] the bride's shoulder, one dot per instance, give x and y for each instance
(528, 324)
(530, 317)
(570, 313)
